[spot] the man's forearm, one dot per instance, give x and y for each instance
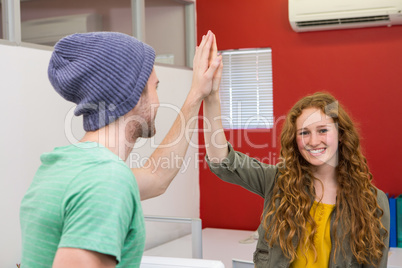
(178, 138)
(155, 178)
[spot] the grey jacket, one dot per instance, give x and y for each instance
(259, 178)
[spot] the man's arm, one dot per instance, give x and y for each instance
(81, 258)
(154, 180)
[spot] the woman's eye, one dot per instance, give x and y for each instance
(322, 131)
(303, 133)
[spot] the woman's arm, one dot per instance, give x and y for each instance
(385, 220)
(227, 164)
(214, 137)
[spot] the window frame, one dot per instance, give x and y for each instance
(11, 23)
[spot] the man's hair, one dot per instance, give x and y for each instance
(104, 73)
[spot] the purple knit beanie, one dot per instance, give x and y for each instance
(104, 73)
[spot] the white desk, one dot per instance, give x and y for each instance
(217, 244)
(223, 245)
(168, 262)
(395, 258)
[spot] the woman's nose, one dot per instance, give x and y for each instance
(314, 140)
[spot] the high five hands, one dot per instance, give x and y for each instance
(213, 55)
(207, 67)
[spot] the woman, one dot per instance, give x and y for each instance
(321, 208)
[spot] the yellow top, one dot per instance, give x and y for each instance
(322, 240)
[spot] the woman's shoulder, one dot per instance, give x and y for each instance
(380, 194)
(382, 199)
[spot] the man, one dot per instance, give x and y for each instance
(83, 207)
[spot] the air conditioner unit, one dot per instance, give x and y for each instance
(48, 31)
(318, 15)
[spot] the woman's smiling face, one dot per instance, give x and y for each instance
(317, 137)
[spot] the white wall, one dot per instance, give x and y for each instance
(33, 121)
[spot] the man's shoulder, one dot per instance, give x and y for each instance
(106, 172)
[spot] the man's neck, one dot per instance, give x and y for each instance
(112, 138)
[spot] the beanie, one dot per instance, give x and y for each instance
(104, 73)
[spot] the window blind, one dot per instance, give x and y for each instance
(246, 89)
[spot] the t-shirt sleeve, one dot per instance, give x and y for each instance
(243, 170)
(98, 209)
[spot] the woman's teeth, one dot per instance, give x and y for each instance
(317, 151)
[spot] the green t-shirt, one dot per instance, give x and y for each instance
(82, 196)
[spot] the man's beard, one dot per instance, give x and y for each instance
(149, 131)
(146, 129)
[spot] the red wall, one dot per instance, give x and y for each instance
(361, 67)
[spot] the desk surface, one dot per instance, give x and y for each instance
(217, 244)
(395, 258)
(224, 245)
